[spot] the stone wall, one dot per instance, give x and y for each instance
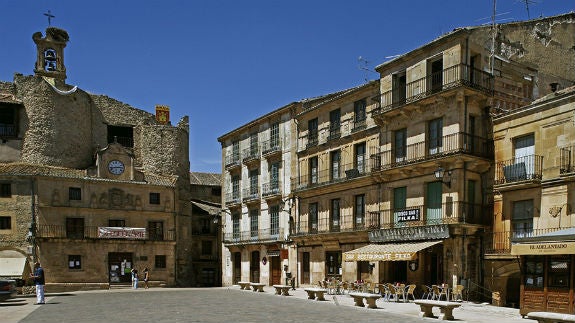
(50, 139)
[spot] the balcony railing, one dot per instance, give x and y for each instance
(249, 236)
(271, 146)
(413, 216)
(334, 132)
(567, 160)
(232, 198)
(251, 193)
(272, 188)
(526, 168)
(347, 223)
(92, 232)
(232, 160)
(330, 176)
(358, 125)
(312, 140)
(251, 153)
(500, 242)
(457, 143)
(449, 78)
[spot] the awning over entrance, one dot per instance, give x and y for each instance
(388, 252)
(553, 243)
(12, 267)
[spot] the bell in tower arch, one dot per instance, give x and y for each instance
(50, 60)
(50, 53)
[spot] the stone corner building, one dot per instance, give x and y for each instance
(91, 187)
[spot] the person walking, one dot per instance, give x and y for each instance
(134, 278)
(39, 281)
(146, 277)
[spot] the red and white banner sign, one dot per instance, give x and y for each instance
(121, 233)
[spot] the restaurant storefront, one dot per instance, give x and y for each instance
(547, 272)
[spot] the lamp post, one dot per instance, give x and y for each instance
(444, 176)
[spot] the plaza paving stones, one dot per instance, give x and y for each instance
(227, 304)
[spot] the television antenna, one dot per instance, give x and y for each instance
(363, 65)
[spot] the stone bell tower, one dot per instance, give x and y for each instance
(50, 53)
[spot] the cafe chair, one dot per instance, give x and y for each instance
(409, 292)
(457, 293)
(427, 292)
(438, 292)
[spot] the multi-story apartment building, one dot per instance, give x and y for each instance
(534, 198)
(336, 195)
(91, 187)
(436, 159)
(206, 192)
(256, 170)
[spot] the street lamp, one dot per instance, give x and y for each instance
(440, 173)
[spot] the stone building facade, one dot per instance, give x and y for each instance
(533, 193)
(206, 237)
(91, 186)
(427, 215)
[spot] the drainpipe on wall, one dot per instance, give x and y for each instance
(32, 229)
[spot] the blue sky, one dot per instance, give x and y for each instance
(225, 63)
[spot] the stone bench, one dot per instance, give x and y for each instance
(282, 289)
(244, 285)
(258, 287)
(445, 307)
(369, 299)
(550, 317)
(315, 293)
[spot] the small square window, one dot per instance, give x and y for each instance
(5, 223)
(74, 262)
(75, 193)
(160, 261)
(154, 198)
(5, 190)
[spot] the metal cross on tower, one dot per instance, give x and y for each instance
(50, 16)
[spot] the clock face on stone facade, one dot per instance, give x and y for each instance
(116, 167)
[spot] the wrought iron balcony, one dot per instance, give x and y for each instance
(271, 146)
(499, 242)
(250, 154)
(519, 169)
(312, 140)
(330, 176)
(271, 189)
(334, 132)
(251, 193)
(447, 79)
(232, 160)
(93, 232)
(343, 223)
(413, 216)
(457, 143)
(232, 198)
(252, 237)
(358, 125)
(567, 155)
